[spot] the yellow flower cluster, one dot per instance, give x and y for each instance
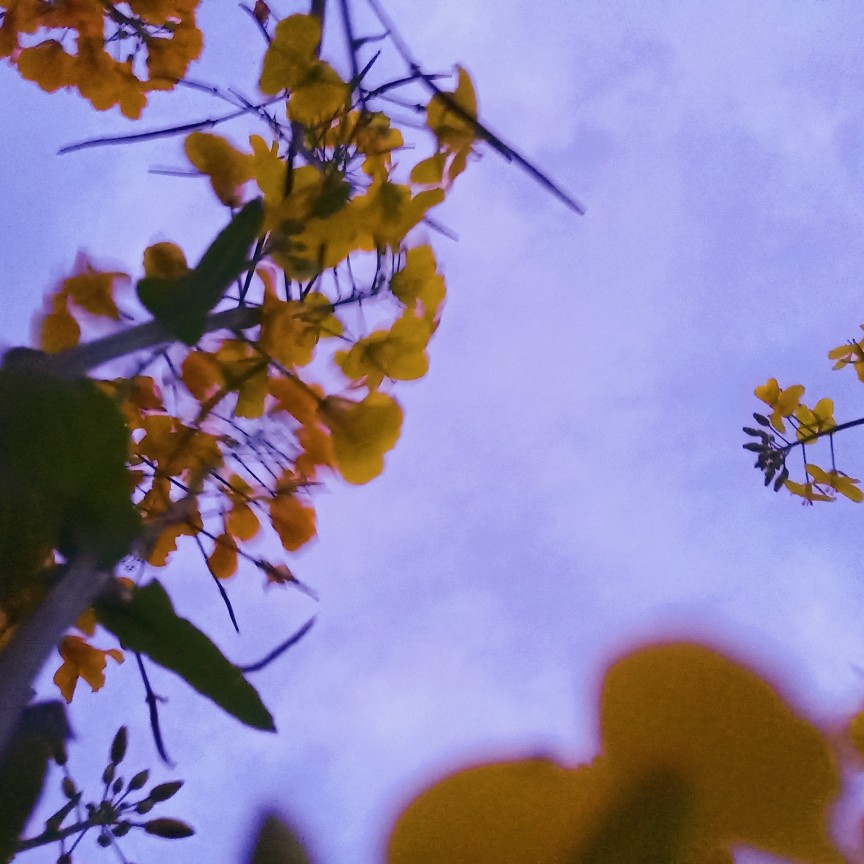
(259, 417)
(121, 52)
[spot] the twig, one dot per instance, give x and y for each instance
(152, 708)
(281, 649)
(494, 140)
(166, 132)
(74, 362)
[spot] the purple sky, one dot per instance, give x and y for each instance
(570, 479)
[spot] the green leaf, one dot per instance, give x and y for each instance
(40, 735)
(181, 305)
(148, 624)
(63, 478)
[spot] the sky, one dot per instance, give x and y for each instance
(570, 482)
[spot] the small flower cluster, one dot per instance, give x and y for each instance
(809, 425)
(298, 388)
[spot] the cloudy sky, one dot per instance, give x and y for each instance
(570, 480)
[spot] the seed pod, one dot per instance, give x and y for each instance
(118, 745)
(164, 791)
(170, 829)
(139, 781)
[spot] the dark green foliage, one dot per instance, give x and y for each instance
(148, 624)
(181, 305)
(63, 480)
(39, 736)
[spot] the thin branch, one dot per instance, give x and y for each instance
(152, 707)
(75, 362)
(281, 649)
(166, 132)
(54, 836)
(352, 45)
(815, 436)
(27, 651)
(224, 594)
(260, 24)
(494, 140)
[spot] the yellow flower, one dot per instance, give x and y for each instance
(805, 491)
(784, 402)
(81, 660)
(838, 482)
(453, 128)
(290, 329)
(222, 561)
(398, 353)
(319, 96)
(819, 419)
(392, 211)
(291, 53)
(165, 260)
(293, 520)
(58, 329)
(227, 168)
(699, 754)
(418, 283)
(362, 432)
(849, 352)
(48, 65)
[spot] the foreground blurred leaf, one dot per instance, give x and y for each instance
(63, 479)
(148, 624)
(40, 735)
(277, 844)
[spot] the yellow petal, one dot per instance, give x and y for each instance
(227, 168)
(319, 97)
(222, 562)
(361, 432)
(242, 523)
(532, 810)
(294, 521)
(760, 774)
(290, 54)
(165, 260)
